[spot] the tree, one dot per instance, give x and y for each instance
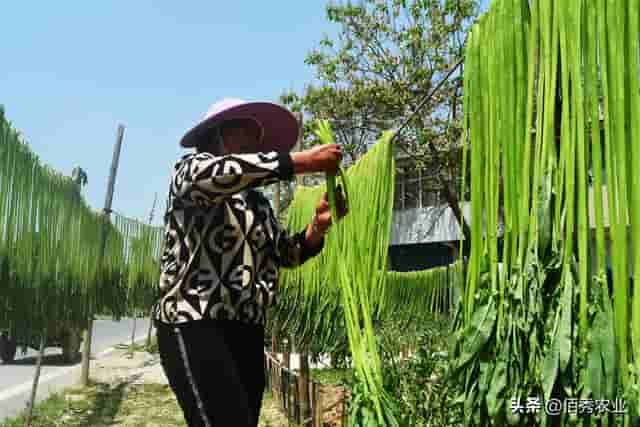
(387, 56)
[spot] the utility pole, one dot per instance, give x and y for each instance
(86, 349)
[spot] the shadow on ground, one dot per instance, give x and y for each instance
(47, 360)
(106, 404)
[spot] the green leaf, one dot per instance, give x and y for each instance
(550, 364)
(478, 332)
(563, 340)
(498, 383)
(595, 371)
(608, 346)
(544, 212)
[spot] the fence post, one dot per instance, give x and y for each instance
(266, 369)
(272, 372)
(318, 410)
(277, 379)
(296, 401)
(303, 386)
(286, 354)
(274, 340)
(343, 414)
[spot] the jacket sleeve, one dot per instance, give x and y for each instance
(206, 179)
(291, 250)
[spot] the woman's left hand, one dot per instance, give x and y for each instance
(323, 213)
(322, 218)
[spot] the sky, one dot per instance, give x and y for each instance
(72, 71)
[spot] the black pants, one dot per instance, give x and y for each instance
(216, 370)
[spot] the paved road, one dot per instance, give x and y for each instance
(16, 378)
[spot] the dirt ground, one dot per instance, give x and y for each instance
(333, 398)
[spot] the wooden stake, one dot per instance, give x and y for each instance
(318, 410)
(32, 400)
(303, 387)
(133, 336)
(153, 208)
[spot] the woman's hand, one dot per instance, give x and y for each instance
(323, 213)
(321, 158)
(322, 219)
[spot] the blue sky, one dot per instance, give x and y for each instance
(72, 71)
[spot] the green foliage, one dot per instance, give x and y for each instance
(340, 376)
(386, 56)
(413, 294)
(537, 319)
(419, 382)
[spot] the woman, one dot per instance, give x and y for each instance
(223, 248)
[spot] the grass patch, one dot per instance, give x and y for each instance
(332, 376)
(122, 404)
(107, 404)
(140, 346)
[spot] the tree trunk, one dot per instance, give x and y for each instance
(451, 198)
(454, 204)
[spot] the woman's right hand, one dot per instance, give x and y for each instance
(321, 158)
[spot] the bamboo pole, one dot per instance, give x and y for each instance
(86, 349)
(276, 210)
(153, 208)
(36, 379)
(292, 406)
(303, 379)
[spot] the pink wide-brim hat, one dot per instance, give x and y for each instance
(279, 125)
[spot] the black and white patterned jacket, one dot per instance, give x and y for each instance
(223, 244)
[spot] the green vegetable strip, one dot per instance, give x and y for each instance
(633, 96)
(592, 92)
(49, 244)
(337, 295)
(581, 57)
(618, 201)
